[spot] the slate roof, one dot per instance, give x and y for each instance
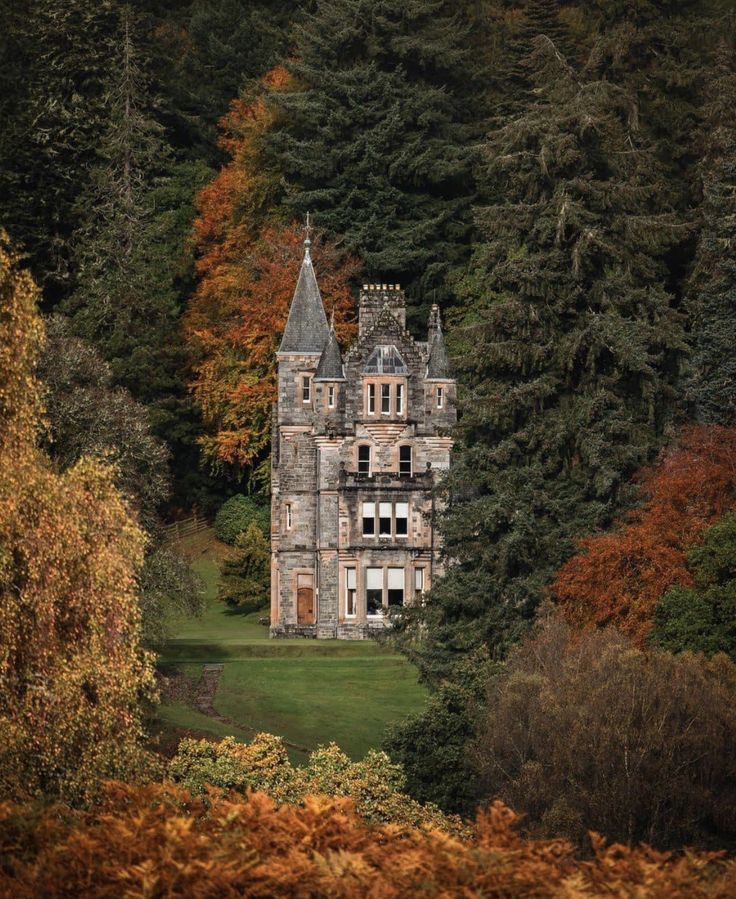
(306, 329)
(438, 362)
(330, 362)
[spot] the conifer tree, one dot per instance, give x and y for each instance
(374, 138)
(124, 302)
(55, 60)
(567, 350)
(711, 387)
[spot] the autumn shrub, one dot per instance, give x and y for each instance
(702, 618)
(158, 840)
(584, 731)
(619, 576)
(72, 672)
(236, 514)
(375, 784)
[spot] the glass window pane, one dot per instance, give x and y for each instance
(419, 580)
(402, 510)
(374, 578)
(396, 579)
(350, 578)
(385, 398)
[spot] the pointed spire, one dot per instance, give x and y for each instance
(438, 362)
(306, 328)
(330, 362)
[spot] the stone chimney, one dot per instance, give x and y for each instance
(373, 298)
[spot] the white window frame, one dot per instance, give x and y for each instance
(372, 516)
(330, 396)
(383, 508)
(370, 459)
(419, 583)
(306, 389)
(385, 399)
(395, 575)
(371, 399)
(440, 397)
(351, 574)
(411, 460)
(367, 581)
(404, 517)
(399, 399)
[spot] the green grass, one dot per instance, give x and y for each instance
(307, 691)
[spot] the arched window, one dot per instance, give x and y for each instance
(364, 459)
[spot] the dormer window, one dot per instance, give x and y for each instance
(306, 389)
(385, 360)
(371, 399)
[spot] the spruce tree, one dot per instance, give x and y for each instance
(711, 386)
(124, 302)
(567, 350)
(374, 138)
(55, 57)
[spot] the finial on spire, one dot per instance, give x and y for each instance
(307, 240)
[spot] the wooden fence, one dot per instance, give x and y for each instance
(187, 527)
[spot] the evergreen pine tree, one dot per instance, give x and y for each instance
(374, 140)
(55, 57)
(711, 387)
(656, 49)
(124, 302)
(567, 351)
(537, 18)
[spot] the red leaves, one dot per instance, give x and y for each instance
(618, 577)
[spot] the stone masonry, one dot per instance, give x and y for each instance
(359, 441)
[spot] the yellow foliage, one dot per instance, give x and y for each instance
(72, 674)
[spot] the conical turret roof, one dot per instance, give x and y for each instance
(306, 328)
(438, 362)
(330, 362)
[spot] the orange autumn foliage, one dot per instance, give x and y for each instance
(248, 268)
(618, 577)
(236, 320)
(159, 841)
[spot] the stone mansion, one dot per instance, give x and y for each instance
(358, 441)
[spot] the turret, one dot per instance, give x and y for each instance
(305, 337)
(440, 396)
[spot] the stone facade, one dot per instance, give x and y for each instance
(359, 440)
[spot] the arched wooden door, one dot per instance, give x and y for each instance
(305, 599)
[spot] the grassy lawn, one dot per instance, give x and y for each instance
(307, 691)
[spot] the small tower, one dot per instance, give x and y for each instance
(294, 457)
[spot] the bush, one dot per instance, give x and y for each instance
(375, 784)
(586, 732)
(158, 840)
(702, 618)
(431, 746)
(245, 581)
(237, 513)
